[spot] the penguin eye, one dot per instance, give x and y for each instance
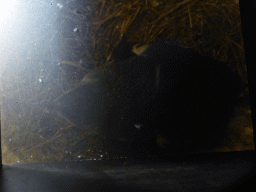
(138, 126)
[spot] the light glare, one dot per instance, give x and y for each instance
(6, 10)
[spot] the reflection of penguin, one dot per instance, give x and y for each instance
(194, 99)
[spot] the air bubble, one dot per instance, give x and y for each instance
(59, 5)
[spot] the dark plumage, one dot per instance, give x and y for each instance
(192, 104)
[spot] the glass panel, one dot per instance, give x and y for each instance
(65, 96)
